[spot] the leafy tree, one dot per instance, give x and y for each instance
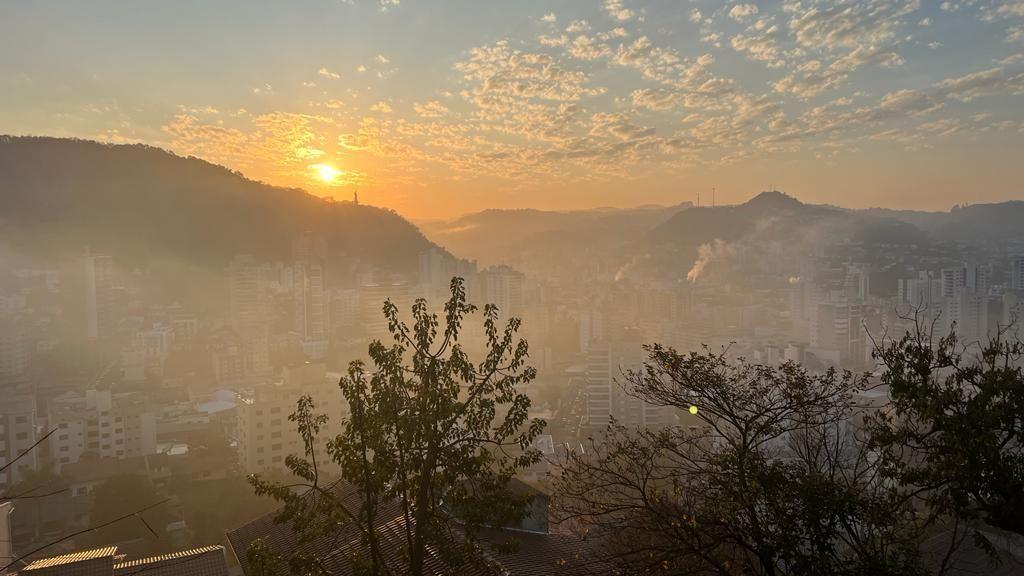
(127, 495)
(772, 480)
(955, 427)
(428, 430)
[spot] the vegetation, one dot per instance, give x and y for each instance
(128, 495)
(954, 430)
(426, 425)
(771, 480)
(146, 206)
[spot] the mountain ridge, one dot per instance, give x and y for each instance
(138, 202)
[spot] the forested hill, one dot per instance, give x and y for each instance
(140, 203)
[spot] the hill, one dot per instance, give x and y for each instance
(141, 204)
(538, 240)
(776, 217)
(972, 224)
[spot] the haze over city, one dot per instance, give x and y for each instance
(473, 288)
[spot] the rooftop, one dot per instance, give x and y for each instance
(205, 561)
(72, 558)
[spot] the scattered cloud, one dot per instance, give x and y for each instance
(618, 11)
(741, 12)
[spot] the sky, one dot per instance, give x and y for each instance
(437, 108)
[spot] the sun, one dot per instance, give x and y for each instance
(326, 173)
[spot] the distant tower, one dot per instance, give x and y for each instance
(713, 204)
(355, 197)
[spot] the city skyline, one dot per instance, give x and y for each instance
(437, 110)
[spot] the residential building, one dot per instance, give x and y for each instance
(102, 424)
(18, 432)
(265, 436)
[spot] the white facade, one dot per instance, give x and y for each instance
(17, 435)
(99, 423)
(265, 436)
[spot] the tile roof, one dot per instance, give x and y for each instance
(72, 558)
(519, 553)
(205, 561)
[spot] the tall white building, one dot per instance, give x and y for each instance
(14, 347)
(310, 287)
(98, 274)
(371, 306)
(965, 301)
(265, 436)
(923, 292)
(838, 327)
(100, 423)
(503, 287)
(437, 269)
(17, 435)
(608, 391)
(247, 292)
(246, 352)
(1017, 273)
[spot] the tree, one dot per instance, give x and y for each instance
(428, 431)
(772, 480)
(127, 495)
(955, 429)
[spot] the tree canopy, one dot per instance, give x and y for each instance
(428, 430)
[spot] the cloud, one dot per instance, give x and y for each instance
(584, 47)
(618, 11)
(382, 107)
(761, 45)
(984, 83)
(323, 71)
(501, 76)
(741, 12)
(843, 25)
(549, 17)
(432, 109)
(811, 78)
